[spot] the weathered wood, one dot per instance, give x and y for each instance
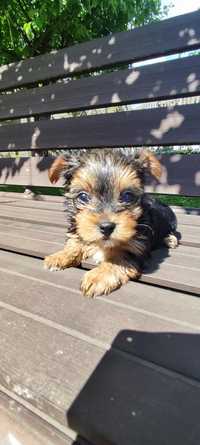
(21, 426)
(157, 322)
(179, 125)
(29, 349)
(153, 82)
(155, 392)
(55, 392)
(180, 174)
(166, 37)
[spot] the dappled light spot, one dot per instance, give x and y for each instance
(89, 65)
(3, 69)
(173, 120)
(187, 31)
(191, 77)
(129, 339)
(112, 40)
(175, 158)
(83, 57)
(94, 100)
(193, 86)
(11, 110)
(94, 51)
(34, 138)
(70, 66)
(109, 56)
(30, 69)
(193, 82)
(99, 51)
(11, 145)
(19, 78)
(53, 96)
(49, 65)
(197, 177)
(132, 77)
(115, 97)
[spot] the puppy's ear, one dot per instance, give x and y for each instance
(62, 164)
(148, 161)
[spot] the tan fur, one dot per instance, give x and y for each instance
(151, 163)
(105, 278)
(70, 256)
(114, 269)
(58, 166)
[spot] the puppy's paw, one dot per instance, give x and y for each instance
(57, 261)
(98, 281)
(171, 241)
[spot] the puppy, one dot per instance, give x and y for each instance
(109, 217)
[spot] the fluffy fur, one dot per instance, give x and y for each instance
(109, 217)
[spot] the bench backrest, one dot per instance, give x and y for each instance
(23, 95)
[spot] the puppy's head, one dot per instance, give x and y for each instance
(103, 192)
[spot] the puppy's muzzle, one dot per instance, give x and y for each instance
(106, 228)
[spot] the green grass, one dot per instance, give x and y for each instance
(176, 200)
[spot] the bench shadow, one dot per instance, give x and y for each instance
(143, 391)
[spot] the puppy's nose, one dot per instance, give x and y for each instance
(107, 227)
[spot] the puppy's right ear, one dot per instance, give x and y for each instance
(63, 164)
(58, 166)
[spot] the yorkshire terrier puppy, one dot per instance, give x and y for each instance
(109, 217)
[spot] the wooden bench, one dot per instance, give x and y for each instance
(123, 369)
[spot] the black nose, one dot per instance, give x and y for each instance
(107, 227)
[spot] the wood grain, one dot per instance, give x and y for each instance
(153, 82)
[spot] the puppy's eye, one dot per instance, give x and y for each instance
(128, 197)
(83, 197)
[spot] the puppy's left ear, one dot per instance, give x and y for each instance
(148, 161)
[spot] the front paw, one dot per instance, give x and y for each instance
(98, 281)
(57, 261)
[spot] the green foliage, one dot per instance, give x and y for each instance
(32, 27)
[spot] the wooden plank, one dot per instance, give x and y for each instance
(18, 425)
(56, 390)
(155, 321)
(20, 195)
(179, 125)
(153, 82)
(180, 175)
(29, 349)
(156, 393)
(166, 37)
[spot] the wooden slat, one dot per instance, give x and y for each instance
(122, 386)
(158, 81)
(156, 394)
(180, 174)
(19, 426)
(150, 316)
(166, 37)
(179, 125)
(29, 349)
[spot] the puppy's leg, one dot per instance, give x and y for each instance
(70, 256)
(171, 241)
(107, 277)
